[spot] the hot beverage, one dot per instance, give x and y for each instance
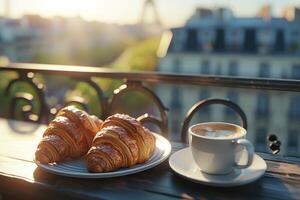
(217, 131)
(217, 147)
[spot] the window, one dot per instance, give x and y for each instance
(175, 109)
(284, 74)
(279, 41)
(192, 40)
(177, 65)
(295, 33)
(233, 41)
(175, 103)
(177, 40)
(293, 143)
(220, 40)
(219, 69)
(232, 96)
(205, 66)
(262, 105)
(296, 71)
(260, 140)
(250, 40)
(294, 109)
(204, 94)
(233, 68)
(264, 70)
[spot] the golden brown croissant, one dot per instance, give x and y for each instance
(122, 142)
(69, 135)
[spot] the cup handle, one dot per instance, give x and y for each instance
(250, 150)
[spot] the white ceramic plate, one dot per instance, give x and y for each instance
(182, 163)
(77, 168)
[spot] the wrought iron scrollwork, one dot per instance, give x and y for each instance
(82, 100)
(43, 114)
(161, 122)
(274, 143)
(27, 111)
(79, 101)
(207, 102)
(108, 106)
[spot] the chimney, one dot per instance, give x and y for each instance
(291, 14)
(265, 12)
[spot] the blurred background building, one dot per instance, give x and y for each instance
(215, 42)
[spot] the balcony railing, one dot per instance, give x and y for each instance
(35, 104)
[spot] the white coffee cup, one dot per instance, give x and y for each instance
(217, 147)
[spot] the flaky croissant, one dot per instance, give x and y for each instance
(122, 142)
(69, 135)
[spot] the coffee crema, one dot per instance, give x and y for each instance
(217, 131)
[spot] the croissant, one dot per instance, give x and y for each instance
(69, 135)
(122, 142)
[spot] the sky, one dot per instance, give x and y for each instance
(171, 12)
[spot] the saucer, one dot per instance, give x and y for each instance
(182, 163)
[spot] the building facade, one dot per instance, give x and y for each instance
(215, 42)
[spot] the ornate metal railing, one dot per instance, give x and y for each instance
(132, 81)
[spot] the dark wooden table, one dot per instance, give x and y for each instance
(20, 178)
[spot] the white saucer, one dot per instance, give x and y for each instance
(183, 164)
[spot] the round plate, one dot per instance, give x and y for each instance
(182, 163)
(77, 168)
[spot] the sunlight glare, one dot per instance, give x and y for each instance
(102, 10)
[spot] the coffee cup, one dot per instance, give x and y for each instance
(217, 147)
